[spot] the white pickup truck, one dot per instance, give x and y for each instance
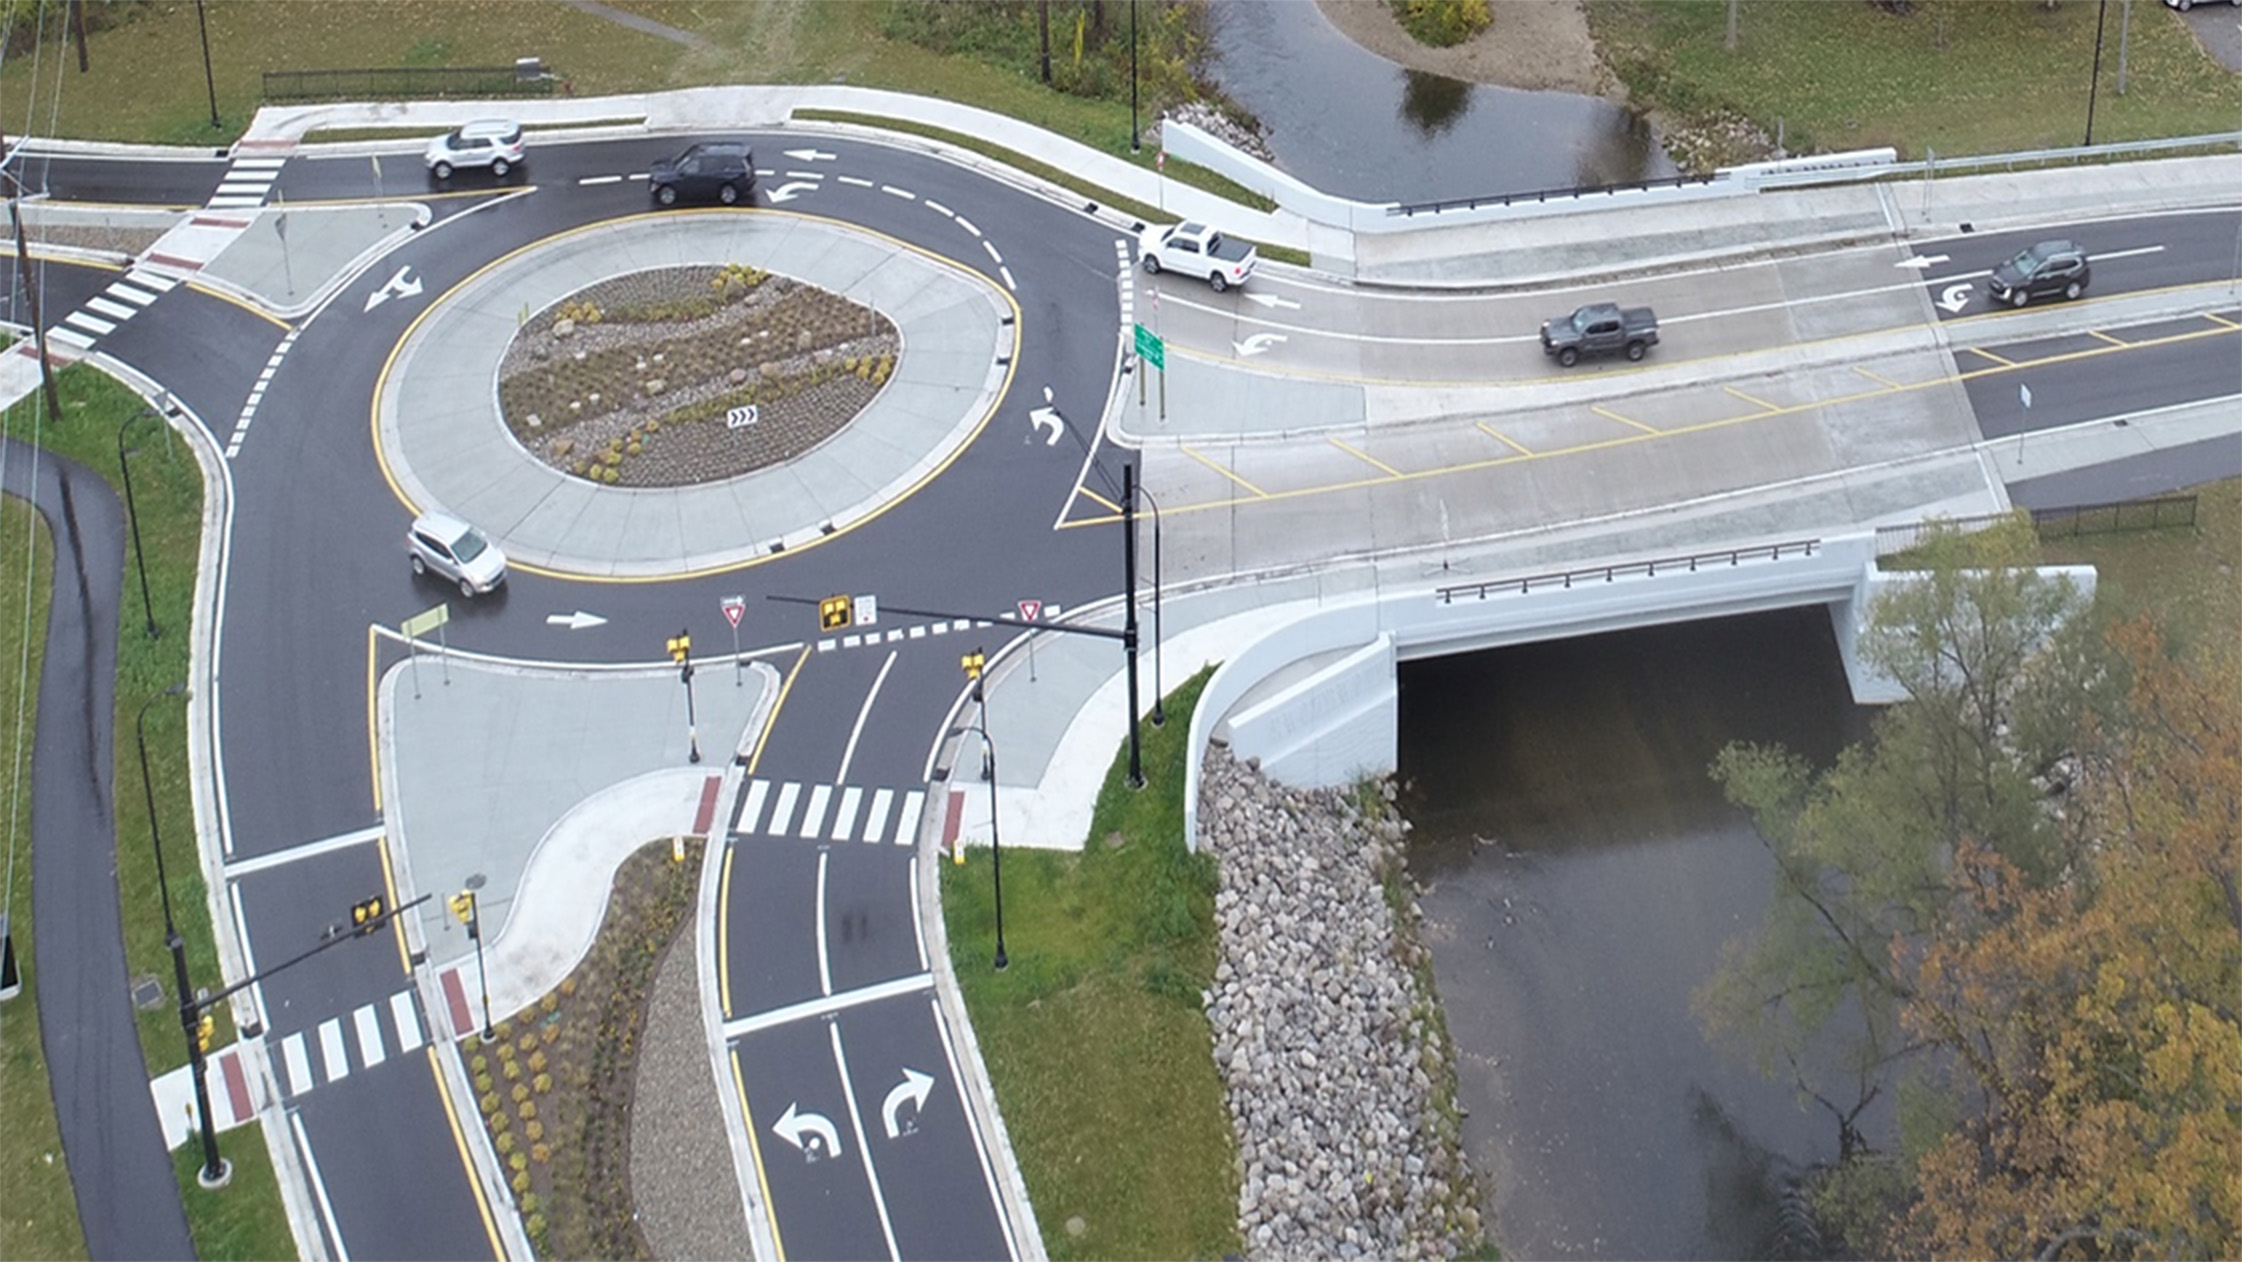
(1195, 249)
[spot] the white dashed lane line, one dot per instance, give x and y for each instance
(850, 179)
(893, 191)
(600, 179)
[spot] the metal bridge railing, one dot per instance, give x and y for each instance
(1566, 579)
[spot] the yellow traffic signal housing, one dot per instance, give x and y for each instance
(364, 914)
(972, 662)
(205, 1031)
(680, 647)
(835, 613)
(463, 906)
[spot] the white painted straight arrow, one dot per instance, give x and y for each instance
(1274, 302)
(577, 621)
(1921, 261)
(914, 1088)
(811, 155)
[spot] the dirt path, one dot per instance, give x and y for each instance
(1538, 45)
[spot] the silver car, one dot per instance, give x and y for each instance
(491, 142)
(456, 552)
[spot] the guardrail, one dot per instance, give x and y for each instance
(526, 78)
(1648, 569)
(1411, 210)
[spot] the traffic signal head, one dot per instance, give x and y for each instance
(205, 1030)
(835, 613)
(680, 647)
(364, 914)
(972, 662)
(463, 905)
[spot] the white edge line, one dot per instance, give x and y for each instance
(863, 714)
(738, 1026)
(824, 964)
(318, 1187)
(972, 1126)
(918, 934)
(248, 957)
(863, 1148)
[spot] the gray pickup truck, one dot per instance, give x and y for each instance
(1600, 328)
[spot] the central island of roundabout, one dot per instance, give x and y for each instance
(671, 394)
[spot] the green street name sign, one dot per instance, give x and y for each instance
(1151, 349)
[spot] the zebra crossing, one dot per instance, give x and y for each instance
(918, 631)
(126, 297)
(791, 810)
(325, 1053)
(246, 183)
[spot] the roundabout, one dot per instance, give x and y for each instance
(845, 418)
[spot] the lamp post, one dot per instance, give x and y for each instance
(1135, 145)
(2094, 84)
(470, 910)
(132, 511)
(1159, 710)
(973, 662)
(208, 81)
(215, 1171)
(1129, 614)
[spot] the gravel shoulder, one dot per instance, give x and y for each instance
(1534, 45)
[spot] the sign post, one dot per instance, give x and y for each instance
(1031, 611)
(734, 606)
(1154, 352)
(421, 624)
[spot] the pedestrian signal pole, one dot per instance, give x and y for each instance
(469, 910)
(681, 652)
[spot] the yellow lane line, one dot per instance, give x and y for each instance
(1088, 494)
(1194, 454)
(763, 737)
(1600, 410)
(755, 1150)
(2107, 338)
(1755, 402)
(2221, 320)
(1491, 432)
(1365, 457)
(389, 897)
(466, 1161)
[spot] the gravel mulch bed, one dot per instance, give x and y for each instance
(632, 382)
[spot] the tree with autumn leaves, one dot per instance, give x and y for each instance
(2017, 909)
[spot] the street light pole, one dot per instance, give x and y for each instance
(132, 511)
(1159, 707)
(681, 652)
(1135, 145)
(1129, 615)
(2093, 85)
(208, 81)
(215, 1171)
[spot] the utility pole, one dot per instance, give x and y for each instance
(78, 31)
(30, 291)
(1043, 27)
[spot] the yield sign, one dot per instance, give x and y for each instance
(1030, 610)
(734, 606)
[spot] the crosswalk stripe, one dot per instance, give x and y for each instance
(782, 811)
(331, 1055)
(407, 1019)
(844, 815)
(269, 164)
(298, 1061)
(906, 823)
(751, 807)
(876, 826)
(370, 1049)
(235, 203)
(91, 324)
(154, 280)
(133, 294)
(114, 310)
(813, 815)
(70, 337)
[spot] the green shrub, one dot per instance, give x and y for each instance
(1443, 23)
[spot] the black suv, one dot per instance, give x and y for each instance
(722, 171)
(2051, 267)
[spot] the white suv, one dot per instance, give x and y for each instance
(442, 544)
(494, 143)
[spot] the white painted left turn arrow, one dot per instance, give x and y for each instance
(1047, 415)
(811, 155)
(791, 189)
(1955, 297)
(810, 1132)
(577, 621)
(399, 286)
(1258, 343)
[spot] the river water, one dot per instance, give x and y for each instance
(1581, 873)
(1350, 122)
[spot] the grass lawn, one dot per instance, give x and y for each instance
(1100, 1054)
(167, 488)
(2186, 577)
(242, 1220)
(1954, 76)
(38, 1210)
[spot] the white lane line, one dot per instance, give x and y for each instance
(824, 960)
(813, 815)
(805, 175)
(1008, 282)
(370, 1049)
(752, 809)
(994, 257)
(875, 824)
(851, 641)
(90, 323)
(331, 1056)
(114, 310)
(587, 181)
(863, 1149)
(940, 209)
(298, 1063)
(319, 1188)
(782, 811)
(850, 179)
(893, 191)
(407, 1018)
(309, 850)
(827, 1005)
(864, 712)
(918, 631)
(967, 224)
(906, 821)
(972, 1127)
(826, 646)
(844, 815)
